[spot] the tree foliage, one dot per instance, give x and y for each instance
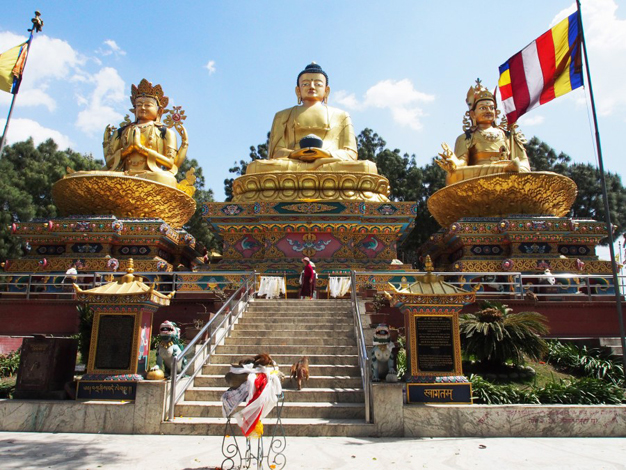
(495, 335)
(27, 174)
(589, 202)
(196, 225)
(408, 183)
(239, 168)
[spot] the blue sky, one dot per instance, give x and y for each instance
(402, 68)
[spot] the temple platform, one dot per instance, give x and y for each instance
(521, 243)
(102, 243)
(273, 237)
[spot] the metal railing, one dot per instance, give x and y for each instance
(217, 329)
(508, 285)
(362, 349)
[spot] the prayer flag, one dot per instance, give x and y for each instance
(11, 67)
(548, 67)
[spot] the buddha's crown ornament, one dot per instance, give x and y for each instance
(478, 93)
(146, 89)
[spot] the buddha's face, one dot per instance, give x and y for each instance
(312, 87)
(484, 112)
(146, 109)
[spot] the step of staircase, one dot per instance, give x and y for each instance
(310, 427)
(331, 402)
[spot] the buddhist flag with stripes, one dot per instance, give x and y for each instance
(12, 64)
(548, 67)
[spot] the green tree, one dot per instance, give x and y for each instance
(239, 168)
(589, 202)
(408, 183)
(27, 174)
(495, 335)
(196, 225)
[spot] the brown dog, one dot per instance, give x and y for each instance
(300, 371)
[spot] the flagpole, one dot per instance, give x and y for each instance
(618, 295)
(37, 25)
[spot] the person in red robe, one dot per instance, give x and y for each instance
(308, 278)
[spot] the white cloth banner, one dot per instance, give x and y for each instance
(338, 286)
(271, 286)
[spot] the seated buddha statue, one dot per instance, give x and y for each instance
(146, 148)
(485, 148)
(312, 136)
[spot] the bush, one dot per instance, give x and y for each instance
(9, 363)
(7, 387)
(590, 362)
(585, 391)
(85, 316)
(485, 392)
(495, 335)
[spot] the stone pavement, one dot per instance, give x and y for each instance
(116, 451)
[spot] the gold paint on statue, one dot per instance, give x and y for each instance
(104, 192)
(485, 148)
(503, 194)
(293, 173)
(142, 160)
(488, 174)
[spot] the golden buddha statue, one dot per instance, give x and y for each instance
(489, 175)
(485, 148)
(146, 148)
(142, 160)
(311, 138)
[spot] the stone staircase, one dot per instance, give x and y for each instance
(331, 403)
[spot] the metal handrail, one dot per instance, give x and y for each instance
(50, 286)
(230, 312)
(362, 349)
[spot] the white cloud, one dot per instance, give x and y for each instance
(99, 111)
(210, 66)
(399, 96)
(531, 120)
(605, 35)
(21, 129)
(111, 47)
(49, 59)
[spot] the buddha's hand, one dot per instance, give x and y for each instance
(309, 154)
(515, 165)
(448, 160)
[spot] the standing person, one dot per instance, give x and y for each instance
(308, 275)
(71, 276)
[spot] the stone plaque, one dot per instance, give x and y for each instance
(435, 344)
(46, 365)
(106, 390)
(115, 342)
(460, 393)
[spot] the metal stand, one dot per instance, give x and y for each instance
(252, 455)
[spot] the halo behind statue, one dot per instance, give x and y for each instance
(501, 194)
(102, 193)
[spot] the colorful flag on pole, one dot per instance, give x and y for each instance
(548, 67)
(12, 64)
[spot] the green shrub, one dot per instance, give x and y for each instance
(85, 317)
(9, 363)
(7, 387)
(495, 335)
(485, 392)
(585, 391)
(591, 362)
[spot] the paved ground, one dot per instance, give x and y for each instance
(107, 451)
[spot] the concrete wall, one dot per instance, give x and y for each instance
(143, 416)
(416, 420)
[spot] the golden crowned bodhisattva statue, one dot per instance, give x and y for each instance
(488, 173)
(312, 153)
(142, 159)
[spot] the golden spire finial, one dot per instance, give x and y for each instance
(429, 264)
(128, 277)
